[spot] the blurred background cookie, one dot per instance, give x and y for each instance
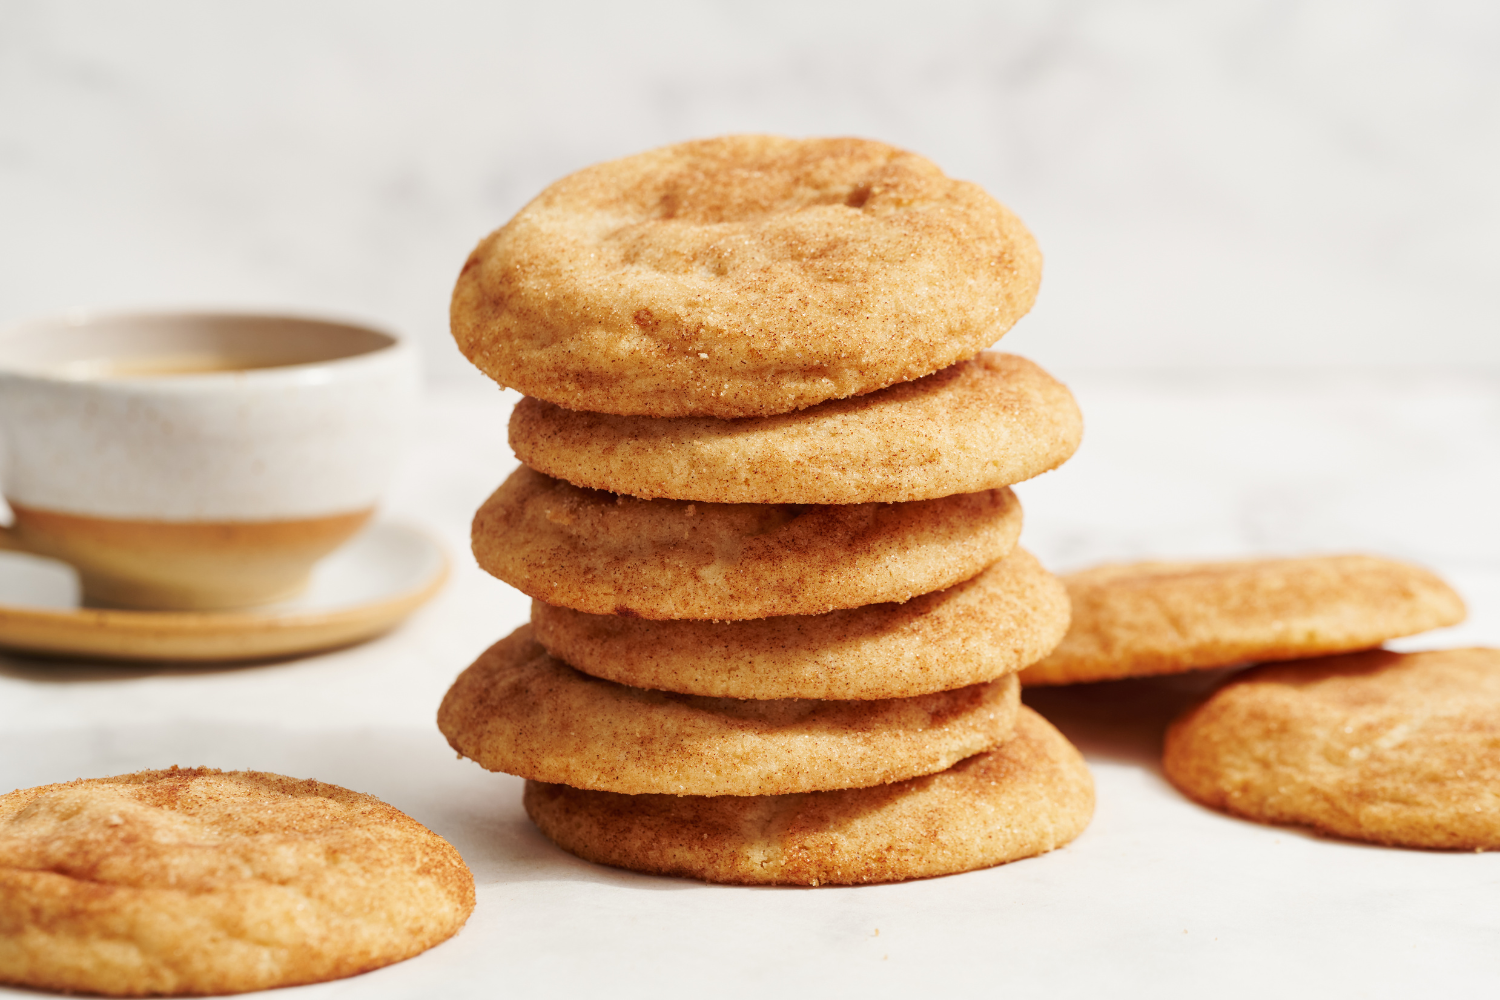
(742, 276)
(1400, 749)
(1137, 619)
(195, 881)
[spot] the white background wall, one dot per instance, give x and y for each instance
(1224, 184)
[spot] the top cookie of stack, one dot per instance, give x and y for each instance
(742, 276)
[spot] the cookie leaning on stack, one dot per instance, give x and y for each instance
(765, 518)
(1142, 619)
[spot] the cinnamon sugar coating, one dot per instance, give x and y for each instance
(606, 553)
(1030, 795)
(993, 624)
(519, 710)
(742, 276)
(1394, 748)
(196, 881)
(976, 425)
(1137, 619)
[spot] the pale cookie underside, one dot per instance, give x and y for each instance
(1158, 618)
(1028, 796)
(993, 624)
(1399, 749)
(742, 276)
(977, 425)
(518, 710)
(606, 553)
(203, 882)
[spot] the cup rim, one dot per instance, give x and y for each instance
(318, 370)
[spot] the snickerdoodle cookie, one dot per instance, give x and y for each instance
(1394, 748)
(1008, 616)
(196, 881)
(1160, 618)
(1026, 797)
(977, 425)
(607, 553)
(742, 276)
(519, 710)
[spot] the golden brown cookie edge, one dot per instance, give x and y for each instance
(1097, 648)
(658, 654)
(1202, 741)
(704, 838)
(31, 890)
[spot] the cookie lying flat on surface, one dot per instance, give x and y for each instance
(976, 425)
(606, 553)
(1159, 618)
(742, 276)
(1009, 615)
(199, 881)
(1394, 748)
(518, 710)
(1028, 796)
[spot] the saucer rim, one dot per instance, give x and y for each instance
(122, 634)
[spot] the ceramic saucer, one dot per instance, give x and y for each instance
(365, 588)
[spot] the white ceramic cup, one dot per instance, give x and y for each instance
(197, 460)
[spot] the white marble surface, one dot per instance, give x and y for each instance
(1271, 279)
(1158, 898)
(1309, 182)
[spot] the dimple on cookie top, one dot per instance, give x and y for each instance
(742, 276)
(196, 881)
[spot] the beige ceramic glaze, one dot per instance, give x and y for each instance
(193, 461)
(188, 565)
(361, 591)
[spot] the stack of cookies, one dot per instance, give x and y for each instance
(779, 608)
